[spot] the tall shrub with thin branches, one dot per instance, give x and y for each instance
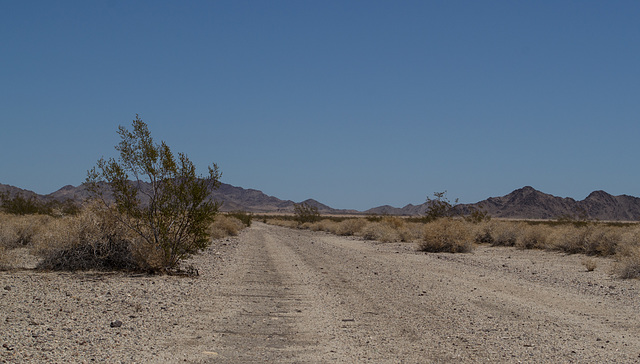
(157, 196)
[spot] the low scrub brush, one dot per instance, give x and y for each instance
(90, 241)
(570, 239)
(506, 233)
(447, 235)
(224, 226)
(381, 232)
(350, 227)
(603, 241)
(533, 237)
(628, 262)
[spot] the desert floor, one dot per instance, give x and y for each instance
(274, 294)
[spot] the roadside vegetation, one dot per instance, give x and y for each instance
(620, 241)
(149, 211)
(88, 240)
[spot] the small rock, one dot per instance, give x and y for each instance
(116, 323)
(7, 288)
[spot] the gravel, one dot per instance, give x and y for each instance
(279, 295)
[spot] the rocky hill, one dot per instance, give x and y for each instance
(233, 199)
(529, 203)
(523, 203)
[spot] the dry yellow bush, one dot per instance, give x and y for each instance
(92, 240)
(20, 230)
(411, 231)
(590, 264)
(569, 238)
(603, 241)
(533, 237)
(5, 259)
(447, 235)
(506, 233)
(283, 223)
(484, 231)
(322, 225)
(350, 227)
(225, 226)
(394, 222)
(381, 232)
(628, 262)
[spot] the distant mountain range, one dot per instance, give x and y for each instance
(523, 203)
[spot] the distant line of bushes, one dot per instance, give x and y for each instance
(20, 205)
(457, 235)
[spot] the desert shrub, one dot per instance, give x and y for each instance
(394, 222)
(167, 205)
(92, 240)
(603, 241)
(282, 222)
(411, 231)
(19, 231)
(5, 263)
(533, 237)
(322, 225)
(447, 235)
(305, 212)
(506, 233)
(5, 259)
(570, 239)
(628, 262)
(590, 264)
(381, 232)
(350, 227)
(245, 217)
(19, 205)
(224, 226)
(484, 232)
(477, 216)
(375, 218)
(439, 207)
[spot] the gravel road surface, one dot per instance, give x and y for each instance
(294, 296)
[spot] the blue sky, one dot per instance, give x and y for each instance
(353, 103)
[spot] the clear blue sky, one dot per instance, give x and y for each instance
(353, 103)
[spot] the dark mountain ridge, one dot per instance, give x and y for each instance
(523, 203)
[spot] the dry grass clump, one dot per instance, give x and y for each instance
(19, 230)
(590, 264)
(283, 223)
(394, 222)
(569, 238)
(628, 262)
(603, 241)
(506, 233)
(322, 225)
(411, 231)
(532, 237)
(380, 231)
(350, 227)
(5, 259)
(484, 232)
(93, 240)
(225, 226)
(447, 235)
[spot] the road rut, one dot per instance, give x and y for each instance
(297, 296)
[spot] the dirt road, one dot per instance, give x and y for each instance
(276, 295)
(300, 296)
